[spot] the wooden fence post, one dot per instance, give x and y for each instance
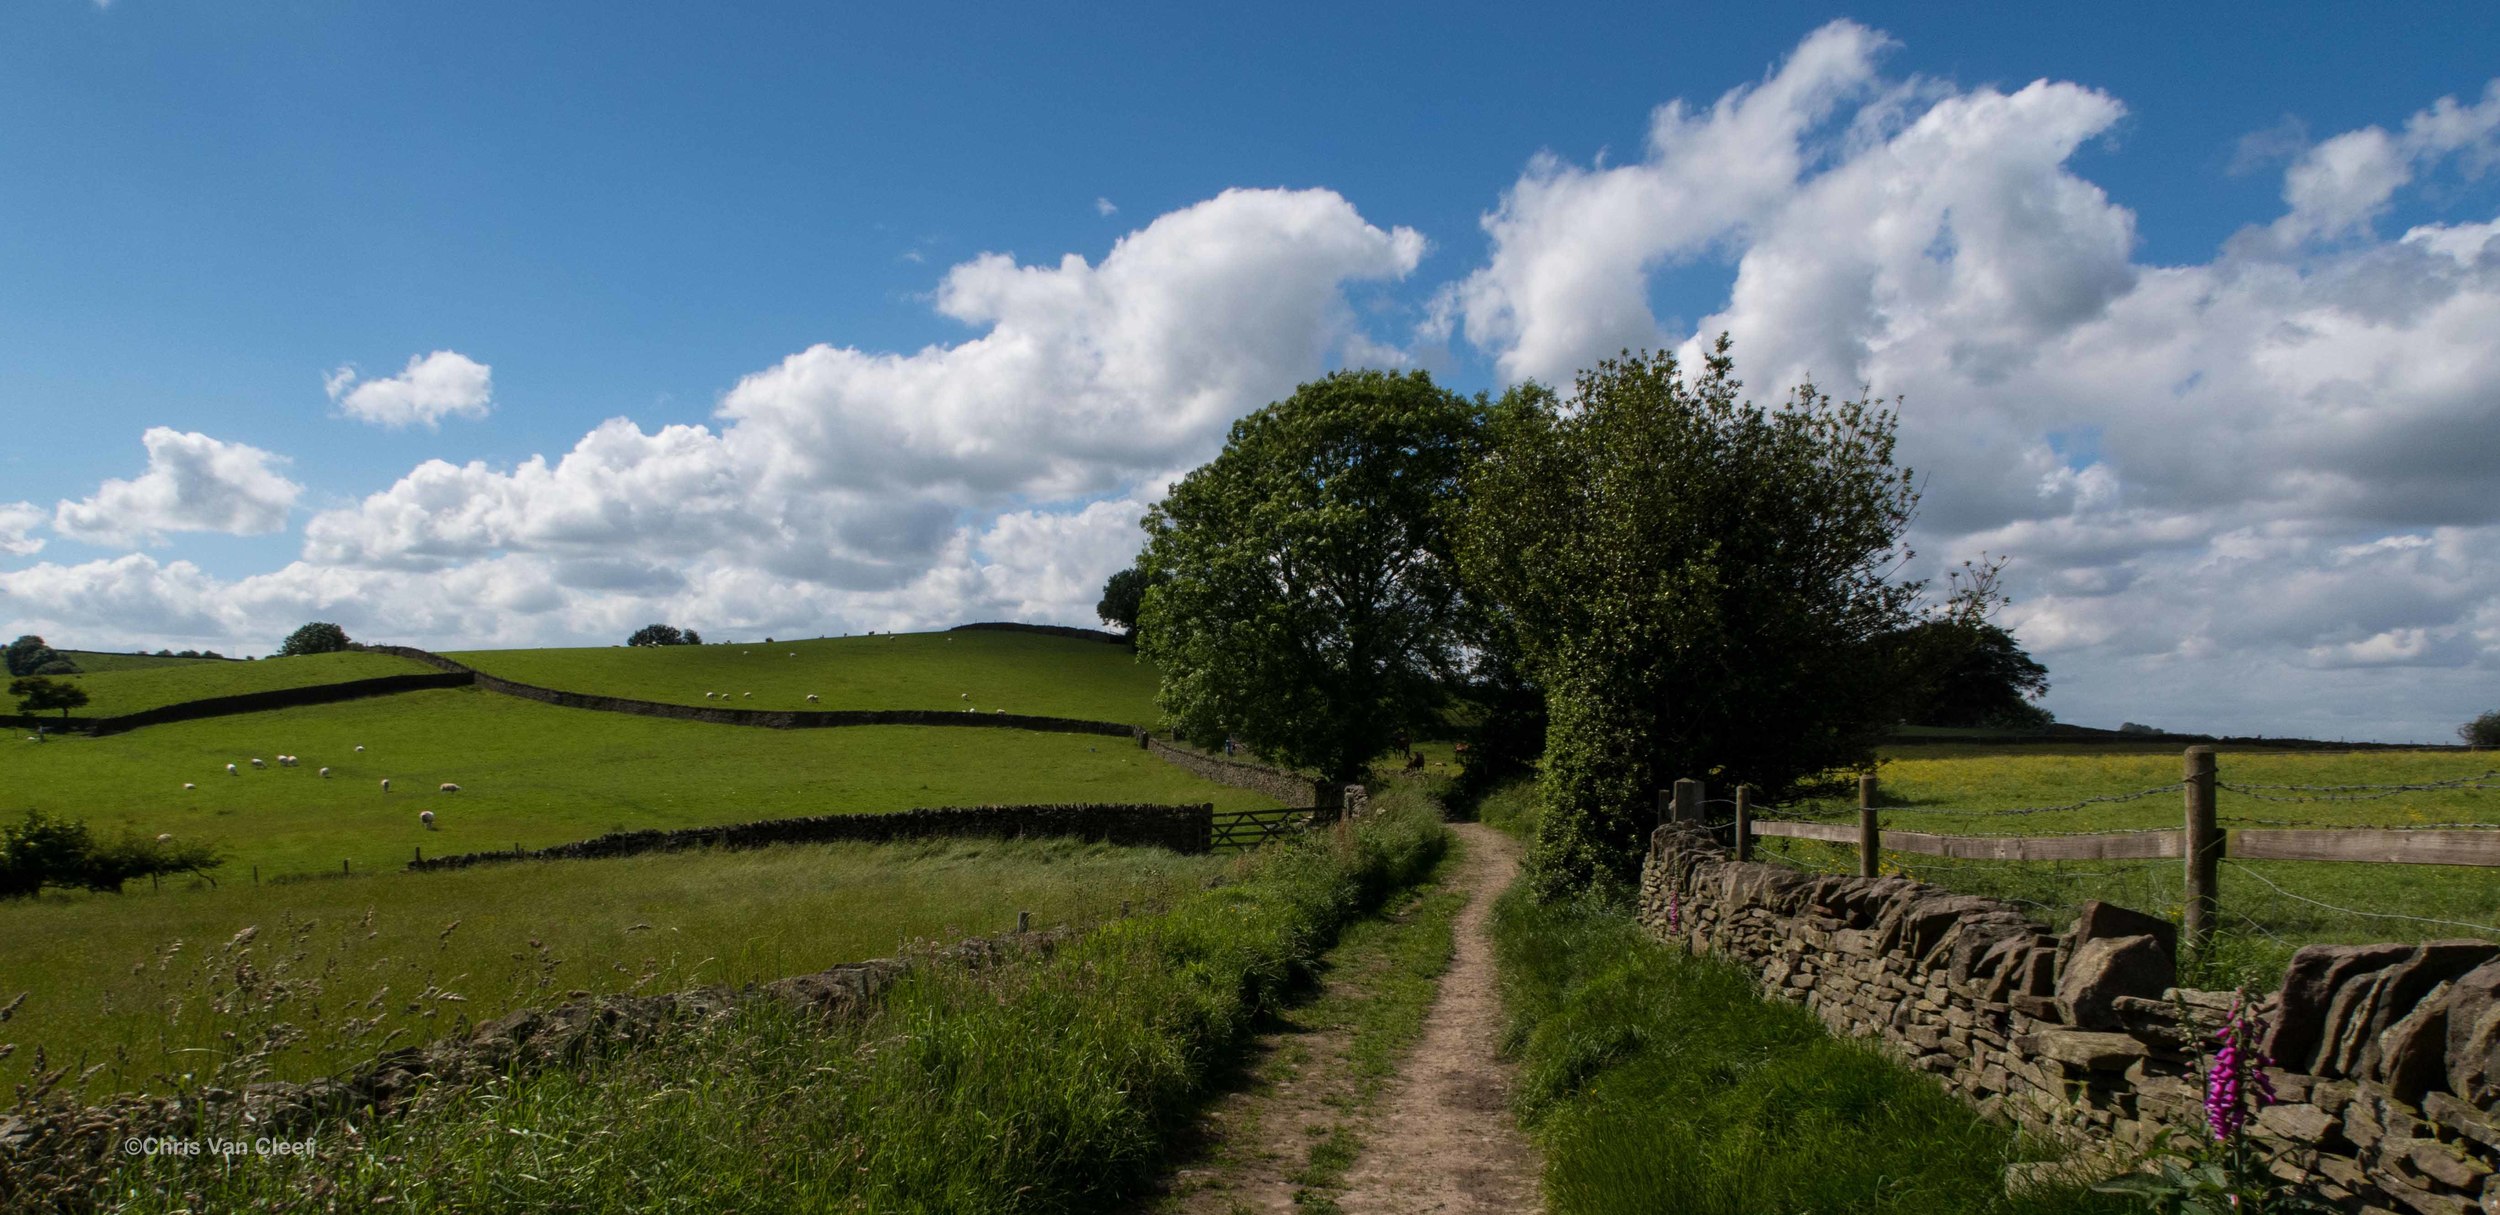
(1666, 808)
(1024, 921)
(2203, 846)
(1688, 801)
(1744, 822)
(1870, 837)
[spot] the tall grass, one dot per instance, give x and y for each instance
(146, 987)
(1660, 1082)
(1048, 1085)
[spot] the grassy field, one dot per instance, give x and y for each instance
(2269, 908)
(147, 683)
(1016, 672)
(533, 775)
(1054, 1084)
(95, 663)
(130, 982)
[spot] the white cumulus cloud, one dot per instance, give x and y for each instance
(193, 483)
(18, 521)
(434, 386)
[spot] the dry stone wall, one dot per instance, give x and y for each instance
(2389, 1055)
(1179, 828)
(1290, 788)
(255, 702)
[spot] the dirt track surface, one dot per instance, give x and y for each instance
(1445, 1141)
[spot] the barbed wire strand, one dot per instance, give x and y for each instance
(2311, 822)
(2461, 782)
(2491, 929)
(2391, 791)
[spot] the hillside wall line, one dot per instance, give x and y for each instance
(1179, 828)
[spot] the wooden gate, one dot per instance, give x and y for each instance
(1251, 828)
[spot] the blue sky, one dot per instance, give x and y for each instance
(656, 213)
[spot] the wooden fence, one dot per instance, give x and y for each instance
(2200, 841)
(1251, 828)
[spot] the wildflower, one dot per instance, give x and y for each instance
(2236, 1086)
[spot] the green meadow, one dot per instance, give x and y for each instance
(2268, 908)
(93, 662)
(138, 682)
(982, 670)
(132, 983)
(533, 775)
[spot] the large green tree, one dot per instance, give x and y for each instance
(1301, 593)
(1699, 585)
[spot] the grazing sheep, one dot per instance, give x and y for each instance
(230, 770)
(360, 748)
(811, 698)
(386, 784)
(189, 785)
(794, 653)
(325, 774)
(449, 787)
(426, 817)
(163, 836)
(707, 696)
(1000, 712)
(256, 762)
(747, 695)
(967, 696)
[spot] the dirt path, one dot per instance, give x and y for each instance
(1445, 1141)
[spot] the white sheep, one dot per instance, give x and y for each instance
(386, 784)
(189, 785)
(360, 748)
(231, 771)
(811, 698)
(449, 787)
(325, 774)
(426, 817)
(256, 762)
(707, 696)
(747, 695)
(794, 653)
(967, 696)
(163, 836)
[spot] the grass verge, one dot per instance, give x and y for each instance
(115, 688)
(1048, 1085)
(146, 987)
(1661, 1082)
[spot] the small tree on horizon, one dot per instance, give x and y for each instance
(28, 655)
(663, 634)
(2483, 731)
(1122, 597)
(37, 694)
(318, 637)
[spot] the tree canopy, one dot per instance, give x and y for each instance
(2483, 731)
(663, 634)
(28, 655)
(1700, 586)
(1122, 596)
(36, 694)
(318, 637)
(1957, 668)
(1301, 595)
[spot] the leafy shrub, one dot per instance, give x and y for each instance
(663, 634)
(318, 637)
(42, 850)
(2483, 731)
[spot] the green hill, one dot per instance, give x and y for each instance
(1016, 672)
(135, 682)
(535, 775)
